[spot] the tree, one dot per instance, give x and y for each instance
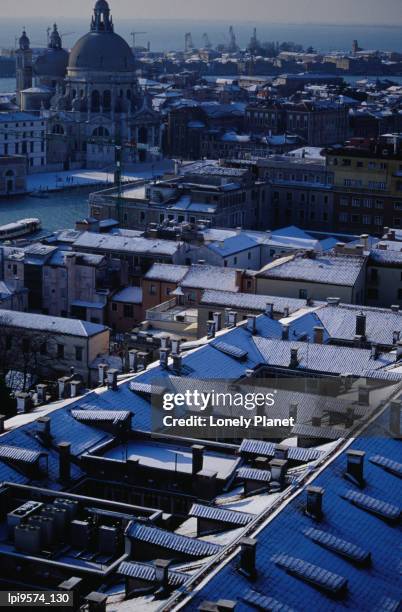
(7, 402)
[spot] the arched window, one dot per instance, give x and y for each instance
(58, 129)
(107, 100)
(95, 101)
(100, 132)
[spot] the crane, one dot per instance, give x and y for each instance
(134, 35)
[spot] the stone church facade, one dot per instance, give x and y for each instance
(90, 97)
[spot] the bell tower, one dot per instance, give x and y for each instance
(23, 65)
(102, 20)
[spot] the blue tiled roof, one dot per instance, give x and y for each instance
(144, 571)
(233, 245)
(369, 588)
(233, 517)
(172, 541)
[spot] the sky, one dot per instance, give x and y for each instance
(293, 11)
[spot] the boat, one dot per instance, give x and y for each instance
(23, 227)
(39, 194)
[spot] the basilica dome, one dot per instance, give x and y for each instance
(102, 49)
(53, 62)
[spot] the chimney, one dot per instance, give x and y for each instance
(177, 363)
(269, 310)
(232, 318)
(248, 554)
(381, 246)
(218, 321)
(96, 602)
(395, 418)
(102, 374)
(399, 350)
(355, 467)
(318, 335)
(364, 238)
(165, 341)
(252, 324)
(286, 312)
(357, 341)
(364, 395)
(24, 402)
(395, 308)
(227, 317)
(112, 379)
(375, 351)
(211, 331)
(314, 502)
(361, 325)
(133, 360)
(333, 301)
(164, 357)
(294, 358)
(293, 411)
(176, 347)
(64, 387)
(2, 422)
(76, 387)
(239, 279)
(198, 458)
(249, 373)
(281, 452)
(278, 472)
(396, 337)
(316, 421)
(142, 360)
(64, 449)
(41, 394)
(285, 332)
(162, 574)
(44, 424)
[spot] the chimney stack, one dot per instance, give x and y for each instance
(177, 363)
(218, 321)
(269, 310)
(248, 555)
(211, 331)
(112, 379)
(314, 502)
(278, 473)
(375, 351)
(232, 318)
(285, 332)
(64, 449)
(355, 467)
(318, 335)
(24, 402)
(252, 324)
(102, 374)
(164, 357)
(198, 458)
(286, 311)
(294, 358)
(281, 452)
(395, 308)
(239, 279)
(41, 394)
(44, 424)
(176, 347)
(133, 360)
(162, 574)
(293, 411)
(396, 336)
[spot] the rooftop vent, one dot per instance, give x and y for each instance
(248, 556)
(355, 467)
(314, 502)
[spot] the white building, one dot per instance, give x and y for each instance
(24, 134)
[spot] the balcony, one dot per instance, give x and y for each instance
(171, 312)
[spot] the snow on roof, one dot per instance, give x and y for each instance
(232, 245)
(129, 295)
(326, 269)
(210, 277)
(108, 242)
(249, 301)
(166, 272)
(45, 323)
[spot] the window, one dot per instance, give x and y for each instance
(303, 294)
(152, 290)
(128, 311)
(79, 353)
(60, 351)
(356, 202)
(114, 307)
(379, 204)
(379, 221)
(366, 219)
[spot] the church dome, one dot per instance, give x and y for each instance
(53, 62)
(102, 49)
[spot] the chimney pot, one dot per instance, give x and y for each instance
(278, 472)
(318, 335)
(285, 332)
(102, 374)
(112, 379)
(294, 357)
(248, 552)
(211, 329)
(355, 467)
(162, 573)
(232, 318)
(314, 502)
(252, 324)
(218, 321)
(361, 325)
(177, 363)
(164, 357)
(133, 360)
(293, 411)
(269, 310)
(64, 449)
(198, 458)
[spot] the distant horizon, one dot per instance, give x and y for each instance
(308, 12)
